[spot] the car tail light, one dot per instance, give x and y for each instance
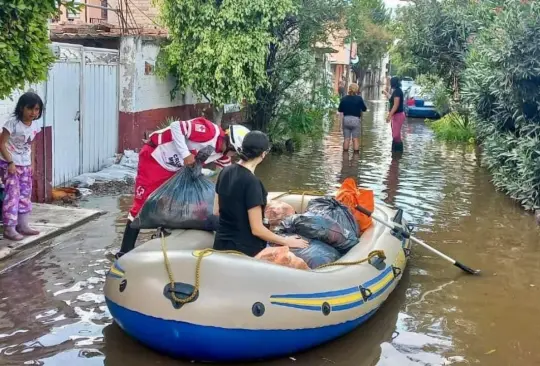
(410, 102)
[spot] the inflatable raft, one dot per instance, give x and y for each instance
(247, 309)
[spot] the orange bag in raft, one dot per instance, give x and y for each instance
(283, 256)
(351, 196)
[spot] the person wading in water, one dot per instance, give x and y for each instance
(396, 116)
(352, 106)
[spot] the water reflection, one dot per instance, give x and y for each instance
(350, 165)
(52, 310)
(392, 179)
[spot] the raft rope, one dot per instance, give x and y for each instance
(197, 270)
(300, 192)
(371, 255)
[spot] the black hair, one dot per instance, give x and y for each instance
(254, 145)
(27, 100)
(395, 82)
(228, 145)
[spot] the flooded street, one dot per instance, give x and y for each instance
(53, 312)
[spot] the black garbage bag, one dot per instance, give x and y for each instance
(329, 206)
(185, 201)
(317, 253)
(319, 227)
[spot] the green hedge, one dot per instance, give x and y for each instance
(502, 86)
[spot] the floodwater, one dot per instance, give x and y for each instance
(52, 310)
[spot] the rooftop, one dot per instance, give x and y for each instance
(102, 30)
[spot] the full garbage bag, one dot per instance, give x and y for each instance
(276, 211)
(351, 196)
(317, 253)
(283, 256)
(329, 206)
(185, 201)
(323, 228)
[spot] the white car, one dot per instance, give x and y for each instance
(406, 83)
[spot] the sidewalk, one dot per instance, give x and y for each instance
(51, 221)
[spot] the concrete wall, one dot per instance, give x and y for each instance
(143, 11)
(343, 54)
(145, 100)
(140, 87)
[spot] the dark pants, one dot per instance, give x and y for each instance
(129, 239)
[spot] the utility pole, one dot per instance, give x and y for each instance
(349, 63)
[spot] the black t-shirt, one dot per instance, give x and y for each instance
(352, 105)
(399, 94)
(239, 190)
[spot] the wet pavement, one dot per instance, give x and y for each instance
(52, 310)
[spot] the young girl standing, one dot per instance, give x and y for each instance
(16, 165)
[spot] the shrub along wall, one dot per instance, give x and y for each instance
(502, 84)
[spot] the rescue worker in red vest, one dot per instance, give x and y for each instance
(168, 150)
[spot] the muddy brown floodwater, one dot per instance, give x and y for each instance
(52, 309)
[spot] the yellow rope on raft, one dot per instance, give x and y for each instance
(197, 270)
(372, 254)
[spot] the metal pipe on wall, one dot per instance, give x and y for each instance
(82, 108)
(44, 136)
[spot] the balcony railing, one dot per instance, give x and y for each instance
(98, 21)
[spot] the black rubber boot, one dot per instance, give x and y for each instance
(397, 146)
(129, 239)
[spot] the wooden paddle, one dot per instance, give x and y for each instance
(406, 235)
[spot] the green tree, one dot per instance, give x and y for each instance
(292, 56)
(219, 49)
(434, 36)
(24, 41)
(367, 22)
(502, 85)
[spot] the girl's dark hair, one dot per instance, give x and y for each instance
(27, 100)
(254, 145)
(395, 82)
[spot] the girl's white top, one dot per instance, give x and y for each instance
(20, 141)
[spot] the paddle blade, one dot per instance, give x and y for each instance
(467, 269)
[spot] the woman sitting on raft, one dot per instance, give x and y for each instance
(240, 202)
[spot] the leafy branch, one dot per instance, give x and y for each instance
(24, 41)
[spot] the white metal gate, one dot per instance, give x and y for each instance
(82, 103)
(63, 109)
(100, 108)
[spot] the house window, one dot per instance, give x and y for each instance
(72, 15)
(104, 11)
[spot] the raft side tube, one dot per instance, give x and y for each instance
(231, 284)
